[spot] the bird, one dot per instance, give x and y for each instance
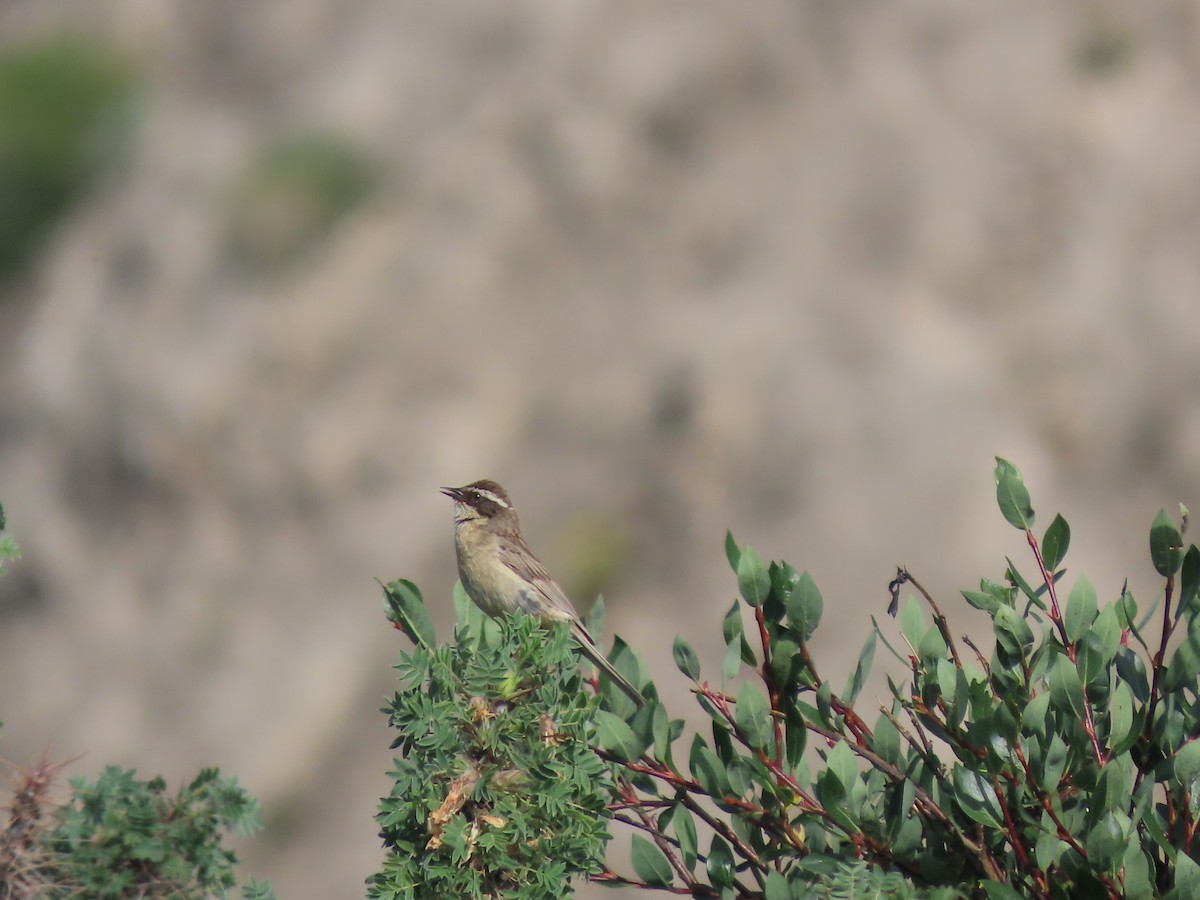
(501, 575)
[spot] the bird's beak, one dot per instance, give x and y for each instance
(452, 493)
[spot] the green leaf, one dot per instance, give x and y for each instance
(825, 703)
(1091, 664)
(955, 689)
(1066, 690)
(1081, 609)
(861, 670)
(1166, 545)
(660, 728)
(646, 723)
(754, 581)
(1185, 664)
(753, 716)
(1050, 848)
(910, 836)
(614, 735)
(733, 633)
(804, 607)
(1107, 632)
(1004, 726)
(1055, 543)
(795, 734)
(783, 581)
(981, 600)
(1132, 671)
(1114, 786)
(1033, 717)
(1167, 728)
(841, 762)
(1187, 878)
(1012, 495)
(731, 625)
(1138, 882)
(1057, 757)
(1155, 827)
(649, 862)
(776, 887)
(886, 740)
(747, 653)
(720, 863)
(1012, 633)
(831, 793)
(977, 797)
(785, 656)
(1105, 844)
(1003, 591)
(1187, 763)
(686, 659)
(1120, 719)
(912, 622)
(732, 552)
(404, 607)
(708, 770)
(740, 782)
(1025, 587)
(1127, 608)
(1189, 580)
(685, 832)
(463, 605)
(933, 646)
(997, 890)
(471, 623)
(899, 808)
(258, 890)
(731, 662)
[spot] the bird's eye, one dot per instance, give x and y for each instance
(484, 498)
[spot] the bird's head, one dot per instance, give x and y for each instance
(483, 500)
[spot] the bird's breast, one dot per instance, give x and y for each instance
(493, 587)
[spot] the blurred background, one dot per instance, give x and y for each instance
(271, 273)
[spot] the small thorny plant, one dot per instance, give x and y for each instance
(119, 837)
(123, 837)
(1056, 759)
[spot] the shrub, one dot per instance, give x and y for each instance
(290, 195)
(122, 837)
(1063, 762)
(497, 792)
(64, 110)
(119, 837)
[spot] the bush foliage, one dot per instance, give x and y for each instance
(1055, 758)
(291, 194)
(65, 111)
(120, 837)
(498, 791)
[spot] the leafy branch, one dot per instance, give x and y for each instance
(1064, 761)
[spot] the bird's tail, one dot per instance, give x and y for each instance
(589, 649)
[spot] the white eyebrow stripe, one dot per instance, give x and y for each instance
(488, 495)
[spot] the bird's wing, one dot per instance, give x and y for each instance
(517, 557)
(555, 605)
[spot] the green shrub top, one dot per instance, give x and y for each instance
(1056, 758)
